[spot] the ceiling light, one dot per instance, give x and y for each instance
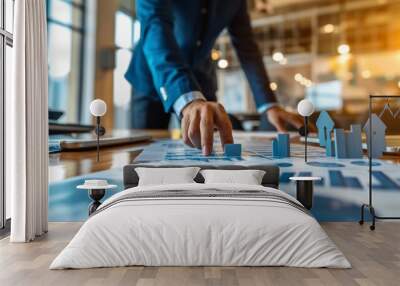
(278, 56)
(215, 55)
(298, 77)
(366, 74)
(223, 63)
(308, 83)
(303, 80)
(343, 49)
(328, 29)
(274, 86)
(283, 61)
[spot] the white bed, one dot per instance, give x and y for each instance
(258, 226)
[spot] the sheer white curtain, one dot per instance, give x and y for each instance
(27, 123)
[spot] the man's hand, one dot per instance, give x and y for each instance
(198, 122)
(277, 116)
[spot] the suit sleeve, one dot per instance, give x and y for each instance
(171, 75)
(250, 57)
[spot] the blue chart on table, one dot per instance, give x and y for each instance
(365, 163)
(325, 164)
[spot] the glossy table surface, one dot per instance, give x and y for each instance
(70, 164)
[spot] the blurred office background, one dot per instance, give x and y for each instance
(334, 52)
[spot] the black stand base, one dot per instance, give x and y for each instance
(304, 193)
(372, 212)
(373, 215)
(96, 196)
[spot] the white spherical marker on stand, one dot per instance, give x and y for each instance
(305, 108)
(98, 108)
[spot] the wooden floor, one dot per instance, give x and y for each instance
(375, 257)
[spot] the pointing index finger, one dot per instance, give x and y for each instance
(224, 126)
(207, 131)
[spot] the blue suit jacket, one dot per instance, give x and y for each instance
(173, 54)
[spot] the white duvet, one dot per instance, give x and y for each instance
(202, 231)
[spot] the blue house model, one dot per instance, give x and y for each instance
(348, 145)
(325, 127)
(378, 136)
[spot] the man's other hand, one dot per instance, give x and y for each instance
(199, 118)
(278, 117)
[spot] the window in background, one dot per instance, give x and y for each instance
(125, 30)
(6, 43)
(326, 96)
(9, 19)
(65, 52)
(232, 91)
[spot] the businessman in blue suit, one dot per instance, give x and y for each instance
(172, 71)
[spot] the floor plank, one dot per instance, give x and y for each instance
(375, 257)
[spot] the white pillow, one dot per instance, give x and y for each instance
(248, 177)
(166, 176)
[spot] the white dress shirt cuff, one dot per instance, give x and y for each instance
(263, 108)
(185, 99)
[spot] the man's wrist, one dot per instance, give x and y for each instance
(185, 99)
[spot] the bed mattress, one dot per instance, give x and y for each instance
(201, 225)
